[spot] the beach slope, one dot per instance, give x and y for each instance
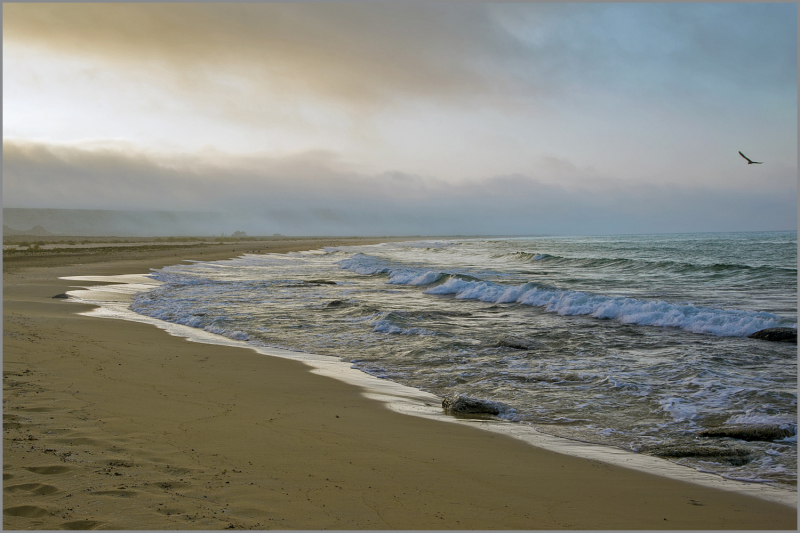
(118, 425)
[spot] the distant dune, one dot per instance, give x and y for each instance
(96, 223)
(36, 231)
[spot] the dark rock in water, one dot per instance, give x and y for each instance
(730, 454)
(519, 344)
(336, 303)
(694, 450)
(320, 282)
(62, 295)
(749, 432)
(776, 335)
(464, 404)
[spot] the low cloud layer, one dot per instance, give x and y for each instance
(315, 193)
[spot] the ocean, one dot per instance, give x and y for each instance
(637, 342)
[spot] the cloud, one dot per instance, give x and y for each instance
(316, 193)
(644, 92)
(356, 53)
(364, 55)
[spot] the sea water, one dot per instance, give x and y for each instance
(638, 342)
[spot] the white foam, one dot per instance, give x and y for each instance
(689, 317)
(384, 326)
(226, 332)
(386, 245)
(697, 319)
(760, 419)
(678, 409)
(421, 244)
(364, 265)
(413, 277)
(410, 401)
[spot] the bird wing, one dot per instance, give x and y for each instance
(748, 159)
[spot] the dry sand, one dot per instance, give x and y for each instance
(117, 425)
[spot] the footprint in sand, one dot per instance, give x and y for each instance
(38, 409)
(80, 525)
(116, 493)
(36, 488)
(48, 470)
(10, 422)
(77, 441)
(26, 511)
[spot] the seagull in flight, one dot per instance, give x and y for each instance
(748, 160)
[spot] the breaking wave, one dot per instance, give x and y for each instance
(686, 316)
(647, 265)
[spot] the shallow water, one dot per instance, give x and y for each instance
(633, 341)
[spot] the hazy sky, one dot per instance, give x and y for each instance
(408, 118)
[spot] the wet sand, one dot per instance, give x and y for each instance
(118, 425)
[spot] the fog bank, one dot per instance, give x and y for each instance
(317, 194)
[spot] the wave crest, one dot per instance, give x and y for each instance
(686, 316)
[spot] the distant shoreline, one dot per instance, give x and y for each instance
(104, 249)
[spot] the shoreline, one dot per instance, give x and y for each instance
(180, 435)
(113, 301)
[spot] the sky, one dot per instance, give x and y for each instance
(408, 118)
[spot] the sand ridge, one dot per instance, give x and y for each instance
(118, 425)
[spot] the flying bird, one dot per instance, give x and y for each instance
(748, 160)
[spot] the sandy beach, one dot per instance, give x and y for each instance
(109, 424)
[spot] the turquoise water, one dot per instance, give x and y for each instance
(638, 342)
